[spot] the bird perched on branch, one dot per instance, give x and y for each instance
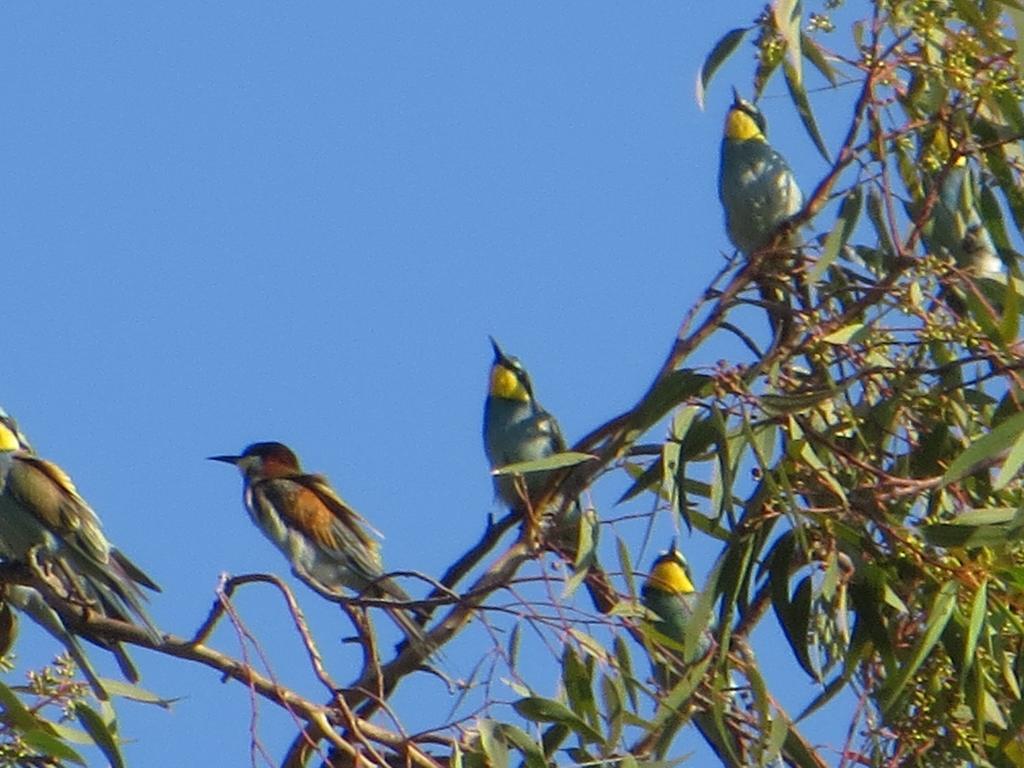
(44, 521)
(324, 539)
(517, 429)
(955, 228)
(669, 594)
(755, 184)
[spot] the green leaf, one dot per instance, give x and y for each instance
(787, 22)
(135, 693)
(70, 734)
(877, 217)
(1014, 460)
(643, 479)
(514, 639)
(986, 448)
(626, 566)
(722, 487)
(577, 679)
(842, 336)
(779, 405)
(814, 54)
(553, 737)
(613, 697)
(793, 614)
(541, 710)
(15, 711)
(664, 395)
(101, 734)
(533, 756)
(625, 667)
(987, 527)
(8, 628)
(677, 699)
(975, 623)
(938, 616)
(586, 542)
(554, 461)
(47, 744)
(670, 466)
(1009, 326)
(492, 743)
(846, 221)
(833, 687)
(995, 158)
(721, 51)
(798, 94)
(992, 217)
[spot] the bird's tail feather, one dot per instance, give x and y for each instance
(413, 631)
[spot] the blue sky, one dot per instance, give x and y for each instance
(234, 222)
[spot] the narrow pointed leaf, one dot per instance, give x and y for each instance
(803, 107)
(541, 710)
(938, 616)
(16, 712)
(576, 679)
(1014, 460)
(554, 461)
(533, 757)
(644, 479)
(101, 734)
(814, 54)
(493, 744)
(977, 620)
(849, 214)
(135, 693)
(50, 745)
(679, 696)
(721, 51)
(985, 448)
(626, 565)
(787, 22)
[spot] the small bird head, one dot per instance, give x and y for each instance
(263, 460)
(744, 122)
(509, 380)
(12, 438)
(671, 573)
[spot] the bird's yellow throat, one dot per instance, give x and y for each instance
(670, 576)
(8, 440)
(739, 126)
(505, 384)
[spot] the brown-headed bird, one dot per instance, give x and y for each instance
(324, 539)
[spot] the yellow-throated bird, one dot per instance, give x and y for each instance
(669, 594)
(755, 184)
(955, 228)
(517, 429)
(42, 515)
(324, 539)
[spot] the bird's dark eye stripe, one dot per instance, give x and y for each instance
(524, 380)
(753, 113)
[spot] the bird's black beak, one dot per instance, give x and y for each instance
(225, 459)
(672, 547)
(499, 356)
(736, 100)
